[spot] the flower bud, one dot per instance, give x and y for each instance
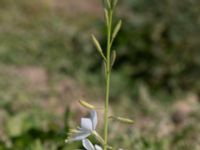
(86, 104)
(123, 120)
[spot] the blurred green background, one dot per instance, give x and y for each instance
(48, 63)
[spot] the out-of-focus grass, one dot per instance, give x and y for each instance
(22, 117)
(32, 104)
(34, 32)
(159, 126)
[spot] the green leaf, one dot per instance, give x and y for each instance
(116, 30)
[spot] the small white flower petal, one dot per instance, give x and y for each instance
(86, 123)
(79, 136)
(87, 144)
(93, 116)
(97, 147)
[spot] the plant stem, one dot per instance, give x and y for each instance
(108, 74)
(100, 139)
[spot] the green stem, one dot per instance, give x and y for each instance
(100, 139)
(108, 73)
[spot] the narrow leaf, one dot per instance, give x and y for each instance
(113, 58)
(116, 30)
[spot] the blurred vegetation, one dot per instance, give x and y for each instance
(158, 63)
(159, 44)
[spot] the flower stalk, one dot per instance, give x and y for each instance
(108, 74)
(111, 34)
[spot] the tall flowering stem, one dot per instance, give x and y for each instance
(108, 74)
(108, 63)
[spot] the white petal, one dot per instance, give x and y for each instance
(79, 136)
(97, 147)
(93, 116)
(86, 123)
(87, 144)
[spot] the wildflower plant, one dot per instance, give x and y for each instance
(88, 125)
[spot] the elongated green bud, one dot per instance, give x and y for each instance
(113, 58)
(96, 43)
(98, 46)
(106, 16)
(105, 68)
(115, 3)
(86, 104)
(108, 3)
(116, 29)
(123, 120)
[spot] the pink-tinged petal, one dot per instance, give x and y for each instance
(87, 144)
(86, 124)
(93, 117)
(97, 147)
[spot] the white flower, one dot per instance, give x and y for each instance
(88, 145)
(88, 125)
